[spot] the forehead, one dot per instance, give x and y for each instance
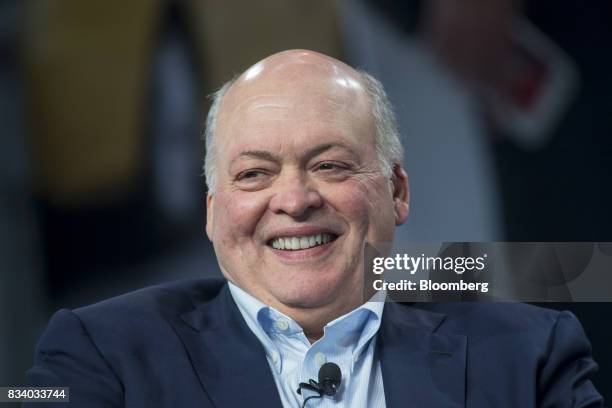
(296, 106)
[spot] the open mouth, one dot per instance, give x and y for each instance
(301, 242)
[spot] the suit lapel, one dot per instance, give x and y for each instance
(228, 358)
(420, 367)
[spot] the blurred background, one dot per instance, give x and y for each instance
(505, 107)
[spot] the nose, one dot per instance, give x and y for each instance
(295, 197)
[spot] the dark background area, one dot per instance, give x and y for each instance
(102, 105)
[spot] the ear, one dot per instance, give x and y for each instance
(209, 215)
(401, 194)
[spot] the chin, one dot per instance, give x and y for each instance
(309, 296)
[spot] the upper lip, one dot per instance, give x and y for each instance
(301, 231)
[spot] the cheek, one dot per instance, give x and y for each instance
(237, 213)
(367, 205)
(353, 200)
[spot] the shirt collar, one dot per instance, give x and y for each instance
(362, 323)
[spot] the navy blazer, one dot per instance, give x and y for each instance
(186, 344)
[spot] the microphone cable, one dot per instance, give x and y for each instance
(330, 378)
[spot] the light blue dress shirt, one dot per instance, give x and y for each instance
(349, 341)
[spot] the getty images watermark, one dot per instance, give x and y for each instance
(413, 264)
(490, 271)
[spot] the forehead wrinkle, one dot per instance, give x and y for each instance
(258, 154)
(309, 107)
(298, 84)
(302, 91)
(242, 102)
(232, 112)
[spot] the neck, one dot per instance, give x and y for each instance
(313, 337)
(313, 320)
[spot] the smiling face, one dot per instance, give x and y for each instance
(299, 187)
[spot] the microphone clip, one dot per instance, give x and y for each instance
(330, 378)
(311, 385)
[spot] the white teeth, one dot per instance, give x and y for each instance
(305, 242)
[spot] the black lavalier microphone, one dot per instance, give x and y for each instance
(330, 378)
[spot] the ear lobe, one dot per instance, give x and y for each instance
(401, 194)
(401, 212)
(209, 215)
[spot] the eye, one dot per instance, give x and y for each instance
(253, 179)
(251, 174)
(328, 166)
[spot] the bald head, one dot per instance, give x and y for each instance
(296, 70)
(293, 80)
(305, 82)
(299, 65)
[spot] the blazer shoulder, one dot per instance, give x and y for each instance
(162, 301)
(485, 319)
(502, 313)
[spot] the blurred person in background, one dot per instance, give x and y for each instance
(116, 102)
(21, 268)
(508, 107)
(101, 177)
(503, 95)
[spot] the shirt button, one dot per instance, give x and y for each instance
(320, 359)
(282, 324)
(274, 357)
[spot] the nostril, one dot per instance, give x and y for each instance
(295, 204)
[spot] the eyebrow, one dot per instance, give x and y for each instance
(257, 154)
(308, 154)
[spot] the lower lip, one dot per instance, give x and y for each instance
(304, 254)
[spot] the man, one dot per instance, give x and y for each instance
(303, 168)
